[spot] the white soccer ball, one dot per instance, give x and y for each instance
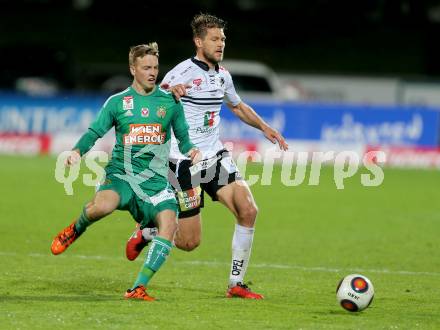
(355, 292)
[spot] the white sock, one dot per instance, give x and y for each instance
(241, 252)
(149, 233)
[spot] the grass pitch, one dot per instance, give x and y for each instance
(307, 238)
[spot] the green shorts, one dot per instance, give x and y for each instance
(143, 201)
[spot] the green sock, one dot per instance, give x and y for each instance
(82, 223)
(157, 254)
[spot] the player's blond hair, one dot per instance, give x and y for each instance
(141, 50)
(202, 22)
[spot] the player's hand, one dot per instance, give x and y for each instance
(73, 158)
(273, 136)
(195, 155)
(179, 90)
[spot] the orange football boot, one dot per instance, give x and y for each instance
(138, 293)
(242, 291)
(62, 241)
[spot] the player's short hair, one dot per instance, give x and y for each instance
(141, 50)
(202, 22)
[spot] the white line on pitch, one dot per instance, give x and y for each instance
(223, 264)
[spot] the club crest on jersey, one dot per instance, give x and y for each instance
(197, 82)
(161, 112)
(128, 103)
(145, 112)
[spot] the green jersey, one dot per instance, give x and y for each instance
(143, 130)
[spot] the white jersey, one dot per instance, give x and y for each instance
(209, 87)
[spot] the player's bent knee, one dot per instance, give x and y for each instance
(96, 211)
(248, 215)
(188, 245)
(192, 245)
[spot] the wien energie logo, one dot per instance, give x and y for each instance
(144, 134)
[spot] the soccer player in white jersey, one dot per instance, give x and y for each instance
(203, 85)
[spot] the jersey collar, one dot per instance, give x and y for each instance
(204, 66)
(148, 94)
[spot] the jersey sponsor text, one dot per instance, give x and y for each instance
(144, 134)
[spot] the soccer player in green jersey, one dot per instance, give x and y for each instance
(136, 176)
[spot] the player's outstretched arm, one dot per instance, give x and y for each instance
(101, 125)
(178, 90)
(180, 129)
(86, 142)
(250, 117)
(73, 157)
(195, 155)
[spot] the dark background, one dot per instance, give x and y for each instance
(80, 43)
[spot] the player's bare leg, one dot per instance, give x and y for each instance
(104, 203)
(156, 256)
(167, 224)
(238, 198)
(189, 233)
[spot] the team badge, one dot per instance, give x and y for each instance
(127, 103)
(161, 112)
(145, 112)
(197, 82)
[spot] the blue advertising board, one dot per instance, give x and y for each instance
(336, 123)
(38, 115)
(373, 125)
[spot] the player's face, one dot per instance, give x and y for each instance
(213, 45)
(145, 70)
